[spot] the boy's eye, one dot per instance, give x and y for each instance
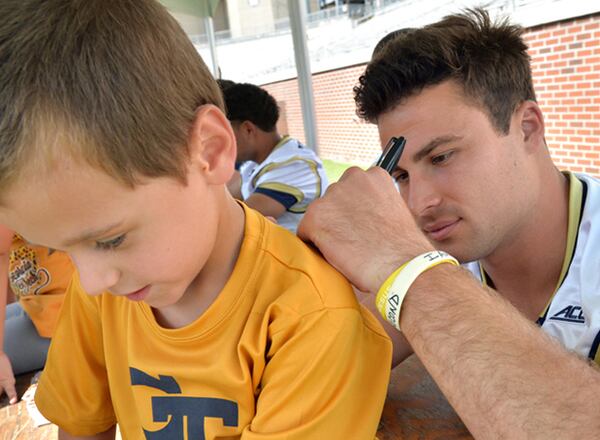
(110, 244)
(441, 158)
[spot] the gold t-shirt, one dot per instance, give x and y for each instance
(284, 352)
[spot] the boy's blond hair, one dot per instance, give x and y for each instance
(113, 82)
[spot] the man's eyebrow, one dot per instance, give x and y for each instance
(91, 234)
(432, 145)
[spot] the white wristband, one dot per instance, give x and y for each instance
(392, 292)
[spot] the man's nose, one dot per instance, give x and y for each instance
(421, 196)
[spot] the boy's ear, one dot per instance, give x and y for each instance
(212, 144)
(531, 124)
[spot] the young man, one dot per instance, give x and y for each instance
(476, 180)
(191, 316)
(279, 176)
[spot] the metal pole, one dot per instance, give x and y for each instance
(298, 24)
(212, 44)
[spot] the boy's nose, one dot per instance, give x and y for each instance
(94, 278)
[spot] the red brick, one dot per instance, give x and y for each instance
(569, 99)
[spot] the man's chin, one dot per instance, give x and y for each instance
(459, 252)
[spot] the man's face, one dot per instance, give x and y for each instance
(464, 182)
(148, 243)
(244, 139)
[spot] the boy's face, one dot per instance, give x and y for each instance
(466, 185)
(148, 243)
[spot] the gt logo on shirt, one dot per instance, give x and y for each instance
(182, 411)
(570, 314)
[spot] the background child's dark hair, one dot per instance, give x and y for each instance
(247, 102)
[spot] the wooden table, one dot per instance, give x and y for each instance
(15, 423)
(415, 409)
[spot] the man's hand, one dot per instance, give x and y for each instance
(363, 228)
(7, 379)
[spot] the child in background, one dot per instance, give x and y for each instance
(38, 277)
(191, 315)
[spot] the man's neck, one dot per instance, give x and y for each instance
(526, 271)
(268, 142)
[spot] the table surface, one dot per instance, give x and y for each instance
(15, 423)
(415, 409)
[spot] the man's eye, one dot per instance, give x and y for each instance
(400, 176)
(441, 158)
(110, 244)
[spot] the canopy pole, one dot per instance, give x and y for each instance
(212, 44)
(297, 10)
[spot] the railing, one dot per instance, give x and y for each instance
(355, 12)
(313, 19)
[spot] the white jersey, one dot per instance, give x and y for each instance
(573, 313)
(292, 174)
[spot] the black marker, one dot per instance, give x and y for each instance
(391, 154)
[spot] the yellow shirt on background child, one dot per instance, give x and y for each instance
(39, 276)
(284, 350)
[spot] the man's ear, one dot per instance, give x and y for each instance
(248, 128)
(212, 145)
(531, 124)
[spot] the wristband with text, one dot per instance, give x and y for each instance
(393, 290)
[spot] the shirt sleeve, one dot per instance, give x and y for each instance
(73, 391)
(298, 178)
(326, 377)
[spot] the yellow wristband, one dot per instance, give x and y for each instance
(392, 292)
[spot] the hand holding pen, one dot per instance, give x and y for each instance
(391, 154)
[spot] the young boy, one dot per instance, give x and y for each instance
(191, 316)
(279, 176)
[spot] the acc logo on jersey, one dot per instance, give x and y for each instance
(570, 314)
(182, 412)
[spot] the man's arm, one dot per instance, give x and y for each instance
(266, 205)
(502, 374)
(106, 435)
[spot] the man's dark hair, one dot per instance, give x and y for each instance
(489, 60)
(247, 102)
(383, 43)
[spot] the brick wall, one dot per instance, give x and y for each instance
(566, 71)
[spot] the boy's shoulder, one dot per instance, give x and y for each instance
(296, 271)
(295, 280)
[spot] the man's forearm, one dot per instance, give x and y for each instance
(502, 374)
